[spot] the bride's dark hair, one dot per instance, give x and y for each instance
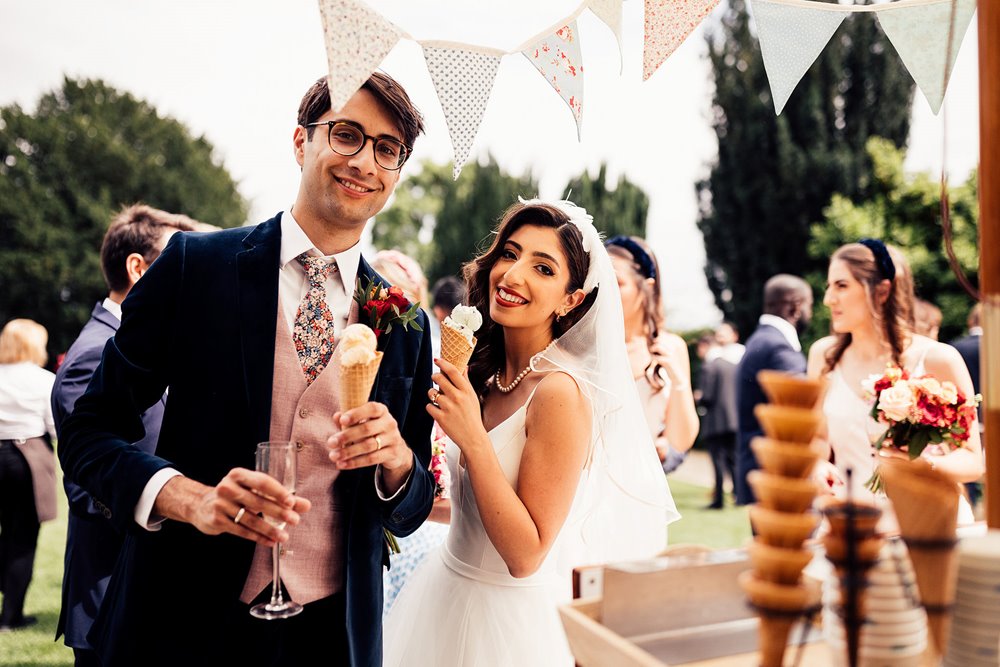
(488, 356)
(894, 316)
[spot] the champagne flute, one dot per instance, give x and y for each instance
(277, 459)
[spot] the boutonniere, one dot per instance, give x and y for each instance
(383, 308)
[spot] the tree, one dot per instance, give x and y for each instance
(906, 210)
(774, 174)
(622, 210)
(443, 223)
(87, 150)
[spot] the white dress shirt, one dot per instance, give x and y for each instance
(786, 328)
(25, 409)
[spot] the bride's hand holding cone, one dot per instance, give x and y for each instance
(455, 407)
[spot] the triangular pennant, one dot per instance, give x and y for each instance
(791, 38)
(667, 24)
(559, 59)
(920, 34)
(610, 11)
(463, 80)
(357, 40)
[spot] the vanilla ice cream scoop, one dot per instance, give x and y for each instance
(465, 319)
(357, 345)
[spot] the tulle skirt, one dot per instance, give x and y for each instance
(443, 618)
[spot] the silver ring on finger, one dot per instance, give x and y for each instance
(378, 442)
(239, 515)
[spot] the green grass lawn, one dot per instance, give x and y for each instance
(36, 647)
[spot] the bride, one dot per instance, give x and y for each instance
(551, 463)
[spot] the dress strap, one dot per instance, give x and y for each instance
(918, 368)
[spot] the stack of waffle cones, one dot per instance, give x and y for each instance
(455, 347)
(853, 547)
(355, 381)
(782, 518)
(926, 506)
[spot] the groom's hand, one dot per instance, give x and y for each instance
(370, 436)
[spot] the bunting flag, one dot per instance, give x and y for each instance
(791, 38)
(920, 34)
(463, 80)
(667, 24)
(357, 40)
(558, 58)
(610, 11)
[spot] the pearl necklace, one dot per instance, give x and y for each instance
(520, 376)
(509, 388)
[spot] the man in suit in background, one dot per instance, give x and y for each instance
(968, 347)
(788, 303)
(135, 238)
(241, 325)
(717, 395)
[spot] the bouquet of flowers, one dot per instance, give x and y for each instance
(918, 412)
(439, 467)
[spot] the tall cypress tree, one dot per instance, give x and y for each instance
(622, 210)
(775, 174)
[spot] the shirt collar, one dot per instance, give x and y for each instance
(113, 308)
(975, 331)
(294, 242)
(785, 327)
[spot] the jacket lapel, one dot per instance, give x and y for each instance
(257, 268)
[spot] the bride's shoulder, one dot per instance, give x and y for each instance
(817, 355)
(557, 392)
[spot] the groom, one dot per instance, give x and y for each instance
(227, 321)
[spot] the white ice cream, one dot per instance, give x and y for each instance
(465, 319)
(357, 345)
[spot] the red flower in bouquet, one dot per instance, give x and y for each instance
(918, 412)
(439, 466)
(382, 308)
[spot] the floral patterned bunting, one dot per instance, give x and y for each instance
(558, 58)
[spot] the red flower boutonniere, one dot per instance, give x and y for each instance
(381, 308)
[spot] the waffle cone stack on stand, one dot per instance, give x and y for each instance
(782, 517)
(926, 506)
(853, 547)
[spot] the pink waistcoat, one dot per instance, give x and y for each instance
(314, 558)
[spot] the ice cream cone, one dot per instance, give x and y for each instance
(778, 607)
(784, 389)
(777, 564)
(926, 506)
(783, 494)
(782, 529)
(788, 459)
(455, 348)
(864, 516)
(782, 422)
(356, 382)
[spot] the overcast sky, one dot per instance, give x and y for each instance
(235, 71)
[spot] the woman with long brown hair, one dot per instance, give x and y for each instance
(658, 358)
(551, 464)
(870, 296)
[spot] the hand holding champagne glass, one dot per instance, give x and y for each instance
(277, 459)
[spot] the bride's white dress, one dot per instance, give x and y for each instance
(462, 607)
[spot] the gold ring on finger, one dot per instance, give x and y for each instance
(378, 443)
(239, 515)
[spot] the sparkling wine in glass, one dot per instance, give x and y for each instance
(277, 459)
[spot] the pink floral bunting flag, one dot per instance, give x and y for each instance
(920, 34)
(357, 40)
(667, 24)
(463, 79)
(559, 59)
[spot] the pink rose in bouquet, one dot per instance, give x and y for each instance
(439, 467)
(918, 412)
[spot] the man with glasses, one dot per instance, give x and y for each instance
(241, 325)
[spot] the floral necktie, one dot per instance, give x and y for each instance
(313, 330)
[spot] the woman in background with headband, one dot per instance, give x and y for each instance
(870, 296)
(659, 359)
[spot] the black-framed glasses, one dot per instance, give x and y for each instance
(348, 139)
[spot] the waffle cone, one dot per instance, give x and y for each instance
(356, 382)
(926, 506)
(455, 349)
(788, 459)
(778, 607)
(773, 638)
(784, 389)
(782, 529)
(791, 424)
(777, 564)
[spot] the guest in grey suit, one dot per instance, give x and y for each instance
(717, 391)
(788, 303)
(133, 241)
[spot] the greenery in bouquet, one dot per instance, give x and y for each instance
(918, 413)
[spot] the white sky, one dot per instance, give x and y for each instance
(235, 71)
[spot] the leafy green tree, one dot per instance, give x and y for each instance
(443, 223)
(905, 210)
(65, 169)
(621, 210)
(775, 174)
